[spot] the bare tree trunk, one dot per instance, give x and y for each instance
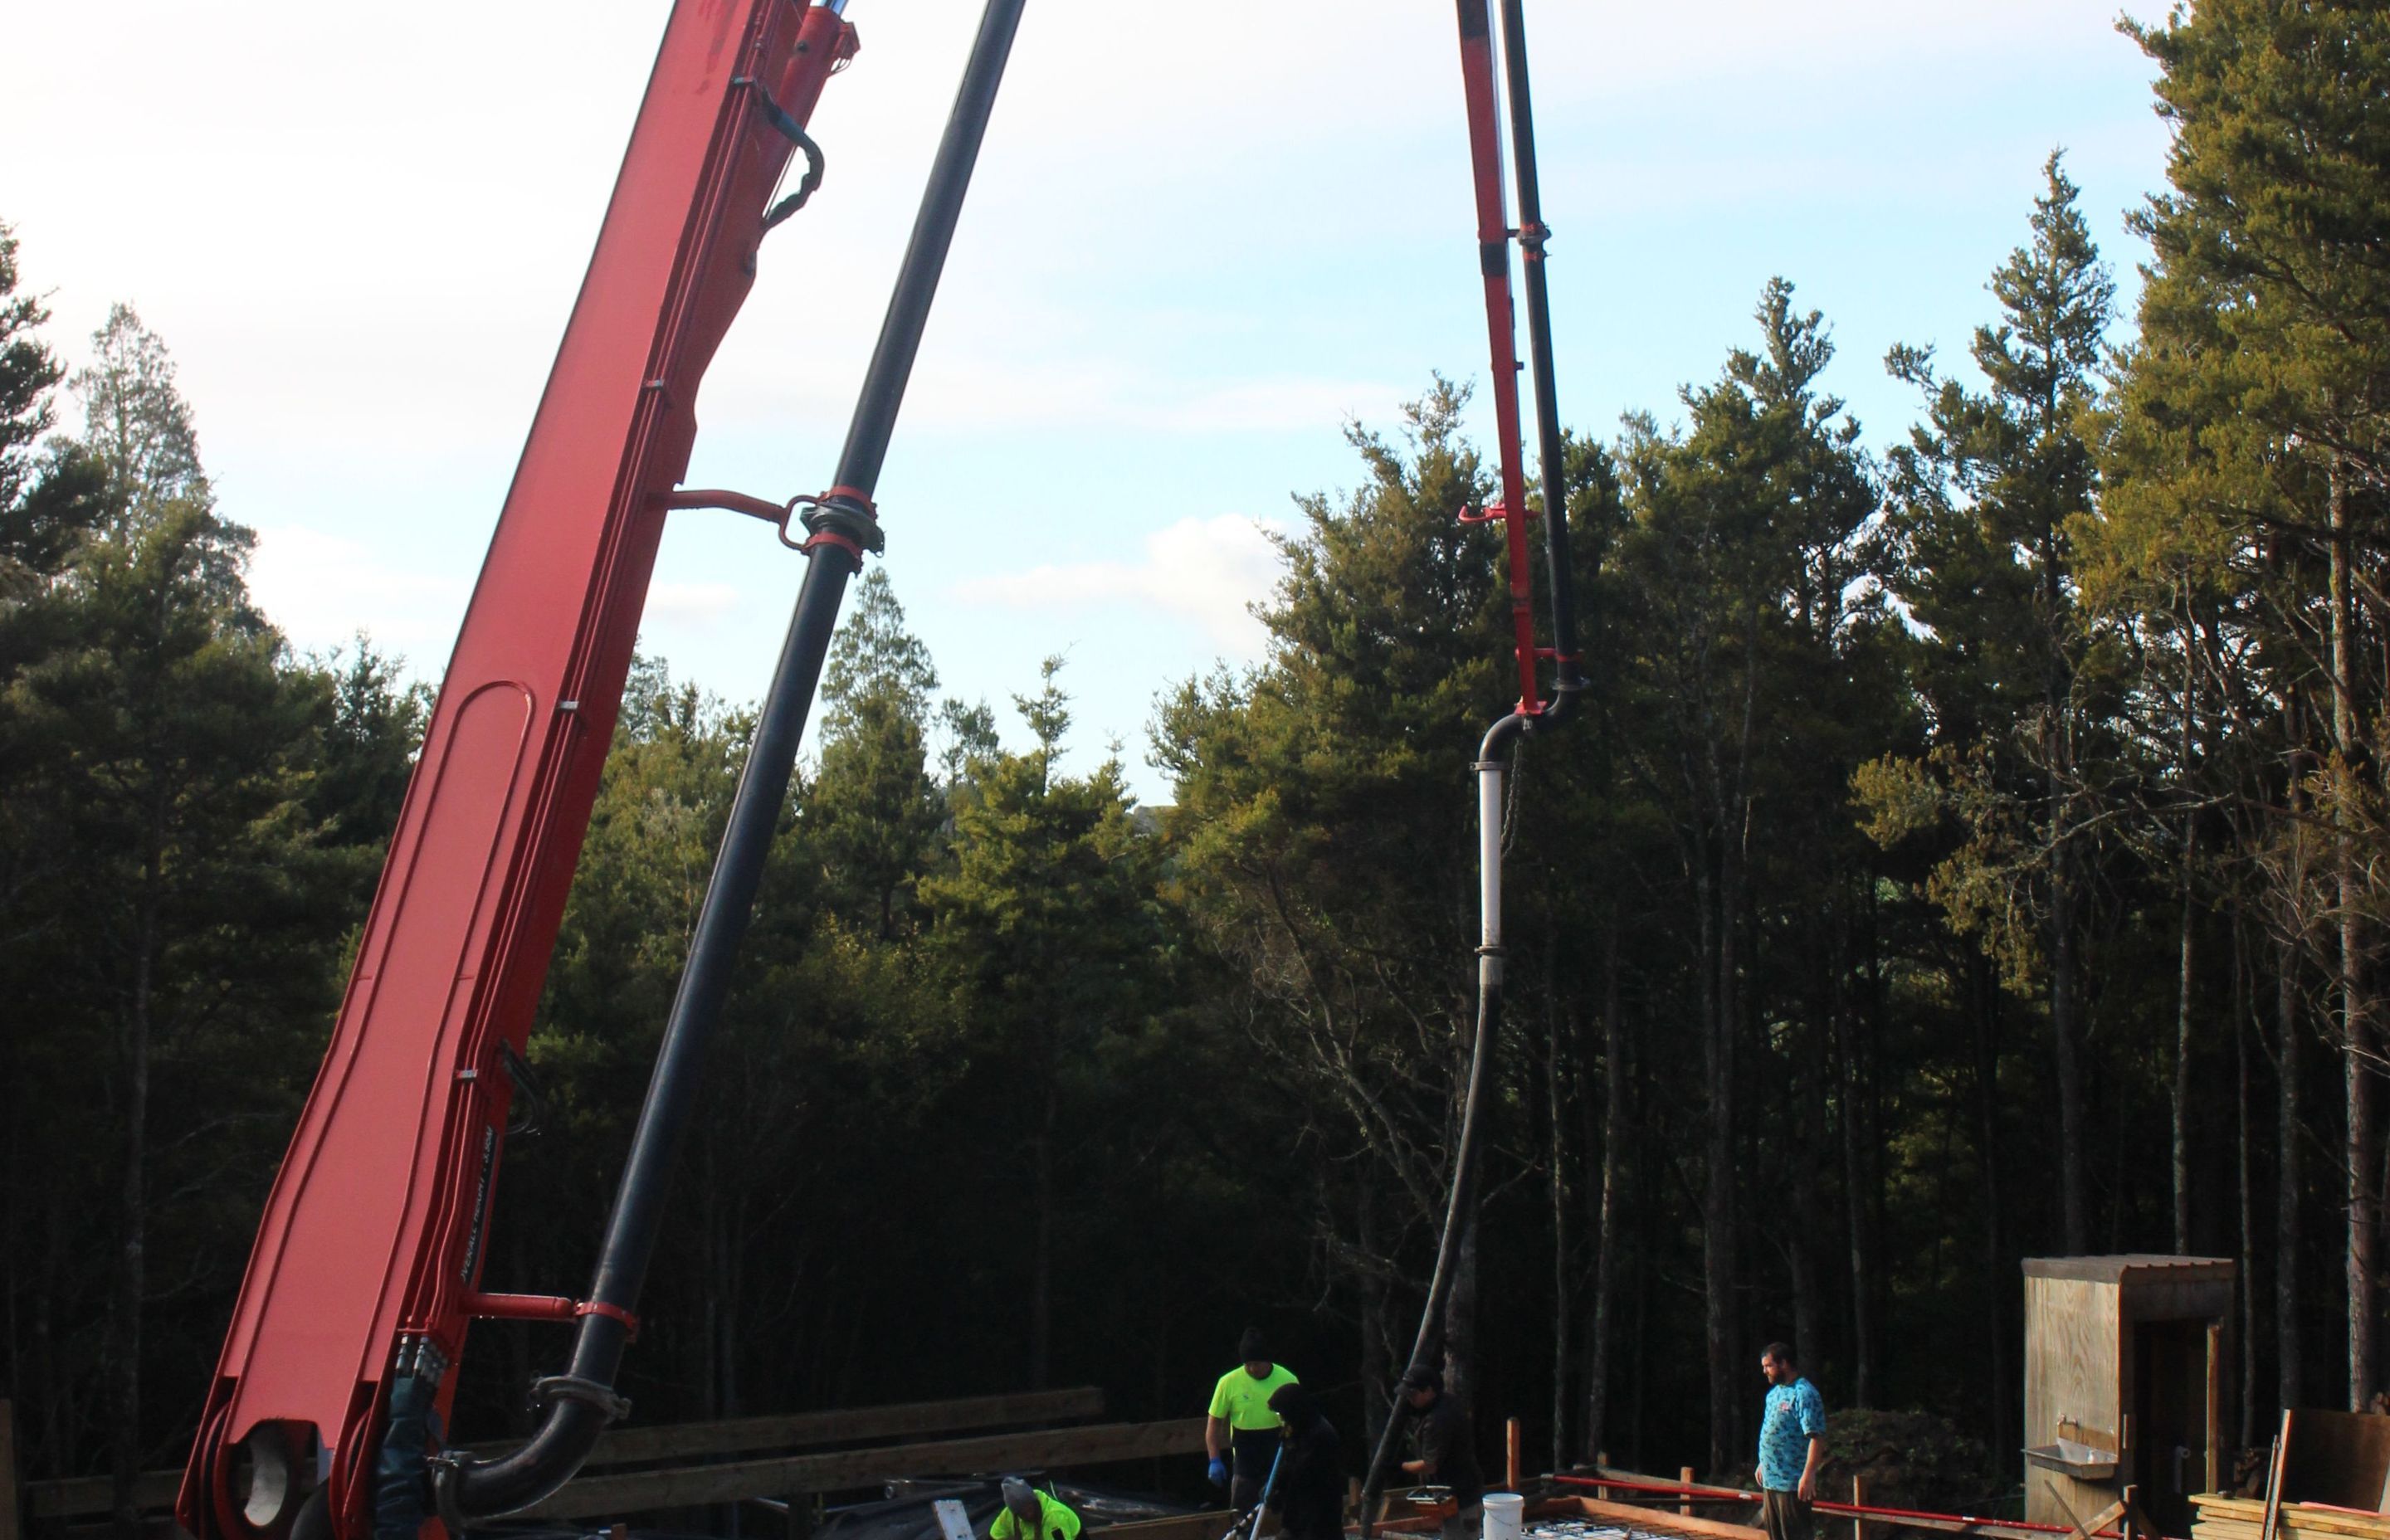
(2180, 1098)
(1808, 1224)
(2073, 1202)
(2184, 968)
(1986, 1001)
(1376, 1368)
(132, 1284)
(1041, 1283)
(1859, 1211)
(59, 1441)
(1460, 1318)
(1719, 1272)
(2287, 1347)
(2064, 1000)
(1563, 1276)
(2356, 1026)
(1613, 1155)
(2248, 1258)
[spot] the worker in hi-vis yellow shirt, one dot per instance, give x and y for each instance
(1242, 1431)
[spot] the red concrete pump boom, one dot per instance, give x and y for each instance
(325, 1419)
(373, 1229)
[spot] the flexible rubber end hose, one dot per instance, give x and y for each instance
(1489, 772)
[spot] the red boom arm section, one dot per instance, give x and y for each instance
(375, 1224)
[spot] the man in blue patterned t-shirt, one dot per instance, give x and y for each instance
(1792, 1446)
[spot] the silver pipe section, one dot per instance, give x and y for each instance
(1489, 867)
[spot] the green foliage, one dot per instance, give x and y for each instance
(873, 813)
(28, 369)
(189, 821)
(1910, 1460)
(1991, 493)
(1314, 824)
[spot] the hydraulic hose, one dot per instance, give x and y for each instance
(1462, 1189)
(582, 1402)
(1569, 682)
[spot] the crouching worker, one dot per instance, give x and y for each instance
(1030, 1514)
(1309, 1493)
(1447, 1455)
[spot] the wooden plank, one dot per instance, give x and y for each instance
(812, 1429)
(2085, 1528)
(81, 1495)
(2211, 1457)
(2274, 1479)
(648, 1490)
(2238, 1514)
(2338, 1458)
(1991, 1527)
(1208, 1525)
(1643, 1517)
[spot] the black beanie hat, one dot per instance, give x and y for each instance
(1252, 1347)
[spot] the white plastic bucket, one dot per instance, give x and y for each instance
(1505, 1515)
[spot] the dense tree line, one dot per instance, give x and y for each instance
(1975, 849)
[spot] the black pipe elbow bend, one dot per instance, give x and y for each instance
(466, 1490)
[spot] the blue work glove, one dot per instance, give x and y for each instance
(1219, 1472)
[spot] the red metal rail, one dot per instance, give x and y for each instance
(374, 1229)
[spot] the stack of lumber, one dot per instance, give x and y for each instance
(2220, 1518)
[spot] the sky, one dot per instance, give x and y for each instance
(1202, 242)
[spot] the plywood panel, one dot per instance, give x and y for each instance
(2152, 1297)
(2073, 1369)
(2338, 1458)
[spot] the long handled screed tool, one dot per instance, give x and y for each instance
(1248, 1523)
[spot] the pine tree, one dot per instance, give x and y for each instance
(872, 811)
(2253, 442)
(1987, 494)
(28, 370)
(1734, 584)
(155, 731)
(1047, 926)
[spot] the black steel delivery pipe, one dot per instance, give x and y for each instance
(1569, 679)
(582, 1401)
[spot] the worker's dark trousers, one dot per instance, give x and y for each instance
(1252, 1449)
(1784, 1516)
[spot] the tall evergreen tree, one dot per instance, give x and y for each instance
(1048, 925)
(872, 811)
(2254, 439)
(1735, 575)
(1986, 493)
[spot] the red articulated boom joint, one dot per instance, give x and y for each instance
(1480, 98)
(368, 1258)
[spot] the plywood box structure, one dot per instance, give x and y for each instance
(2124, 1361)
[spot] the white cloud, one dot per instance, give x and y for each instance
(322, 589)
(1207, 570)
(691, 607)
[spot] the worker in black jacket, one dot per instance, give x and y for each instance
(1309, 1495)
(1447, 1455)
